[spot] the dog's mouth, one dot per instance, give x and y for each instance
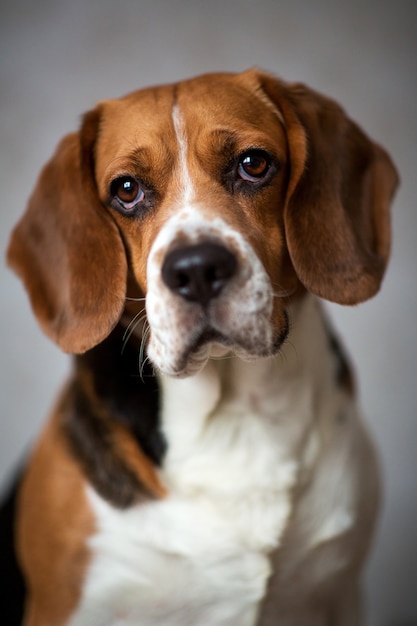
(196, 353)
(210, 336)
(204, 341)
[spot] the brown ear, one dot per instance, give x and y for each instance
(341, 185)
(68, 251)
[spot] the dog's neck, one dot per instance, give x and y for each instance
(217, 418)
(220, 417)
(260, 386)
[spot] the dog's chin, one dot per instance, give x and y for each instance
(194, 355)
(212, 344)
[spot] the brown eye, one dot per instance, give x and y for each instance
(127, 192)
(127, 189)
(254, 165)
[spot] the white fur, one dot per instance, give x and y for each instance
(241, 438)
(242, 311)
(186, 184)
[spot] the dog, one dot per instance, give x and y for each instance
(206, 463)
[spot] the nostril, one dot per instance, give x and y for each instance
(181, 280)
(199, 272)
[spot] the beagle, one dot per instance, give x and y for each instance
(206, 463)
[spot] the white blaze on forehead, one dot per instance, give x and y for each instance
(185, 179)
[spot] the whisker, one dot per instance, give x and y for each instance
(142, 361)
(145, 335)
(133, 324)
(135, 299)
(146, 360)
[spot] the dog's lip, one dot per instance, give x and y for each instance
(207, 336)
(210, 335)
(209, 342)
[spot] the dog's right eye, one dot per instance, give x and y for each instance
(254, 165)
(127, 193)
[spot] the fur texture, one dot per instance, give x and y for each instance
(206, 463)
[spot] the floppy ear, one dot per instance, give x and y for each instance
(67, 248)
(341, 185)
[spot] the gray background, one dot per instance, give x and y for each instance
(57, 58)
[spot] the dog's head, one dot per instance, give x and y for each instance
(214, 199)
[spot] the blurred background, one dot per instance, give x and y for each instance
(59, 57)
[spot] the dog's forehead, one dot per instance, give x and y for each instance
(214, 99)
(140, 119)
(145, 118)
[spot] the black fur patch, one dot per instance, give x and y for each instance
(12, 595)
(108, 387)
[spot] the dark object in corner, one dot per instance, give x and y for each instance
(12, 594)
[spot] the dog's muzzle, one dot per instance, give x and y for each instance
(206, 287)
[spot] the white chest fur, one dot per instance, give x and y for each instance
(240, 437)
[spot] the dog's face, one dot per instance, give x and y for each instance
(197, 192)
(214, 199)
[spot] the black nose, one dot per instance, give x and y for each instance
(199, 272)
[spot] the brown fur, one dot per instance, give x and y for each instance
(53, 525)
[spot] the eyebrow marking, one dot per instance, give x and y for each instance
(185, 179)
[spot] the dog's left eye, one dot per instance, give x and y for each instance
(254, 165)
(127, 192)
